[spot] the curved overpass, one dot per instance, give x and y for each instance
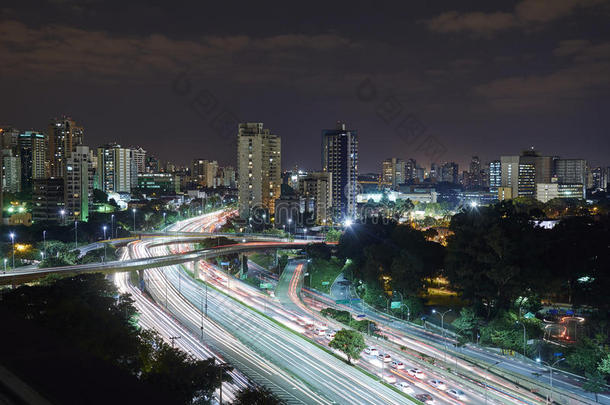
(24, 276)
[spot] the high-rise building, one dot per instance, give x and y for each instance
(11, 172)
(115, 169)
(600, 178)
(204, 171)
(450, 172)
(410, 170)
(139, 159)
(9, 137)
(522, 173)
(78, 184)
(31, 148)
(495, 176)
(315, 187)
(225, 177)
(48, 200)
(393, 172)
(571, 171)
(259, 161)
(340, 159)
(64, 134)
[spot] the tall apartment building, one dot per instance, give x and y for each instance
(450, 172)
(315, 189)
(204, 171)
(9, 137)
(600, 178)
(63, 135)
(393, 172)
(410, 169)
(340, 160)
(11, 171)
(495, 176)
(48, 200)
(32, 151)
(139, 159)
(259, 161)
(78, 184)
(115, 169)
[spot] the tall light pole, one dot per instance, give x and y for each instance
(401, 301)
(5, 260)
(104, 228)
(551, 374)
(44, 242)
(75, 234)
(442, 314)
(111, 226)
(524, 336)
(134, 219)
(289, 222)
(13, 242)
(164, 220)
(63, 216)
(487, 371)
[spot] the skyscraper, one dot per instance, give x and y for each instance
(495, 176)
(259, 161)
(64, 134)
(139, 159)
(204, 171)
(340, 159)
(11, 171)
(571, 171)
(115, 169)
(32, 151)
(522, 173)
(78, 184)
(393, 172)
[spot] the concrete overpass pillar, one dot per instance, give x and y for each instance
(196, 269)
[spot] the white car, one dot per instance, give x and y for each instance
(405, 387)
(320, 332)
(386, 358)
(330, 334)
(371, 351)
(457, 394)
(438, 384)
(390, 379)
(415, 372)
(398, 365)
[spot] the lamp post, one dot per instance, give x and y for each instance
(5, 260)
(487, 371)
(289, 222)
(401, 302)
(442, 314)
(44, 242)
(104, 228)
(63, 216)
(164, 220)
(134, 219)
(75, 234)
(13, 242)
(551, 374)
(524, 336)
(111, 226)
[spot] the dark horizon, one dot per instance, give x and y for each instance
(479, 79)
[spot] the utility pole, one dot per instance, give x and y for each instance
(173, 338)
(442, 315)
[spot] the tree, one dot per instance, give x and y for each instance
(350, 342)
(586, 355)
(594, 383)
(333, 235)
(604, 365)
(467, 323)
(257, 395)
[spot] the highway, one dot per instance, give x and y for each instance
(272, 344)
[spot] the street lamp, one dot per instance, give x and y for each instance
(487, 371)
(305, 233)
(5, 260)
(13, 241)
(550, 374)
(164, 219)
(134, 219)
(75, 234)
(63, 217)
(104, 228)
(44, 242)
(289, 222)
(524, 336)
(111, 225)
(442, 314)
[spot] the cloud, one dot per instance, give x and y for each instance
(527, 14)
(583, 50)
(74, 52)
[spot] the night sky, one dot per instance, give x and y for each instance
(476, 77)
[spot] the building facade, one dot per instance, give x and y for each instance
(32, 152)
(63, 135)
(115, 169)
(393, 172)
(78, 184)
(259, 161)
(340, 160)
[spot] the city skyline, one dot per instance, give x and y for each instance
(453, 68)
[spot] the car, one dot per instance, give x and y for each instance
(320, 331)
(386, 358)
(425, 398)
(415, 372)
(331, 334)
(457, 394)
(371, 351)
(404, 387)
(398, 365)
(390, 379)
(438, 384)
